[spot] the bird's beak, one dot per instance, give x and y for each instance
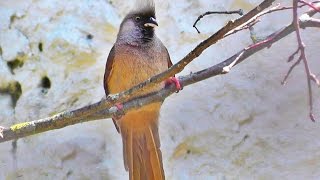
(152, 22)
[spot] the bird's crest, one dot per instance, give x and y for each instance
(145, 7)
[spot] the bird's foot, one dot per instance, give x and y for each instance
(117, 115)
(119, 112)
(176, 82)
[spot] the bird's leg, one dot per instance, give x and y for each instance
(119, 112)
(175, 81)
(117, 115)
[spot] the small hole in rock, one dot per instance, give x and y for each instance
(14, 64)
(89, 36)
(40, 46)
(45, 82)
(14, 145)
(69, 173)
(14, 90)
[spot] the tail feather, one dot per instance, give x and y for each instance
(125, 137)
(155, 155)
(141, 150)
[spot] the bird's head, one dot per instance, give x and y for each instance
(139, 24)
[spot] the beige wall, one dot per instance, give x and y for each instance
(243, 125)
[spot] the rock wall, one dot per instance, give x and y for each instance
(243, 125)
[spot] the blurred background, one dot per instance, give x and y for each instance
(243, 125)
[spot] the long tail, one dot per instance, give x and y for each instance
(141, 146)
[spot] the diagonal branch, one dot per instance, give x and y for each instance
(72, 117)
(34, 127)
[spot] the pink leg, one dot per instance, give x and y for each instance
(116, 117)
(175, 81)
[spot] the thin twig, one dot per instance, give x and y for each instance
(254, 20)
(249, 25)
(312, 11)
(281, 8)
(291, 57)
(315, 79)
(303, 57)
(284, 81)
(311, 5)
(246, 26)
(240, 12)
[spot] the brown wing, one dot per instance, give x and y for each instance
(169, 60)
(107, 72)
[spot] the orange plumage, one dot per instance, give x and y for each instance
(131, 61)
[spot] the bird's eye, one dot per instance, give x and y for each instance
(138, 18)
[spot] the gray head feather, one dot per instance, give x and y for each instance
(133, 31)
(144, 7)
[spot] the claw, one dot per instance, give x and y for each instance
(120, 112)
(176, 82)
(119, 106)
(116, 116)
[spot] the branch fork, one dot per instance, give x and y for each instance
(106, 107)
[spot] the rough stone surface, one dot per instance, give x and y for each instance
(243, 125)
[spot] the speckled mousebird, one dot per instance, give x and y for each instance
(137, 55)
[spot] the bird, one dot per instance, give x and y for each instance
(137, 55)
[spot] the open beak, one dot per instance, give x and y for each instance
(152, 22)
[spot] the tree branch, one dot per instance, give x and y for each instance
(311, 5)
(240, 12)
(71, 117)
(301, 49)
(34, 127)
